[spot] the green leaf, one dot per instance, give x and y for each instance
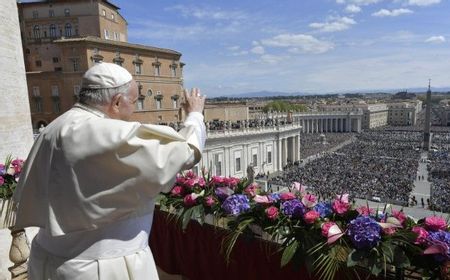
(186, 217)
(400, 258)
(355, 257)
(289, 252)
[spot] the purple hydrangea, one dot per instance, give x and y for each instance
(2, 170)
(274, 197)
(364, 232)
(223, 192)
(324, 209)
(235, 204)
(293, 208)
(442, 239)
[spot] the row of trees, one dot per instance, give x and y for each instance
(283, 106)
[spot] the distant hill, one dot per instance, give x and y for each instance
(266, 93)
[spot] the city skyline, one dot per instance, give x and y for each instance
(325, 46)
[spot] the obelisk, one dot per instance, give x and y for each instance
(16, 135)
(426, 131)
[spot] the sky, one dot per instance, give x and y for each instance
(310, 46)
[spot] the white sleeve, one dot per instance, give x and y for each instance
(196, 120)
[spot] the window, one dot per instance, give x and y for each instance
(35, 14)
(51, 13)
(36, 32)
(218, 165)
(140, 104)
(138, 68)
(255, 160)
(106, 34)
(158, 104)
(55, 59)
(269, 157)
(55, 91)
(27, 51)
(75, 64)
(68, 30)
(237, 165)
(116, 36)
(112, 16)
(104, 12)
(38, 63)
(174, 103)
(157, 69)
(67, 12)
(56, 105)
(38, 104)
(76, 90)
(52, 30)
(36, 92)
(173, 70)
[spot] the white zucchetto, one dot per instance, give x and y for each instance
(105, 75)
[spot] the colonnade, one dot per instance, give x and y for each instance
(323, 124)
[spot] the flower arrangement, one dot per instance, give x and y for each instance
(9, 175)
(324, 235)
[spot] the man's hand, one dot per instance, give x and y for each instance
(193, 101)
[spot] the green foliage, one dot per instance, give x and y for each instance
(283, 106)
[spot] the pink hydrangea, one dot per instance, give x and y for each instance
(272, 212)
(422, 235)
(189, 200)
(263, 199)
(389, 230)
(2, 181)
(435, 223)
(232, 181)
(287, 196)
(326, 228)
(252, 189)
(340, 206)
(210, 201)
(401, 217)
(309, 200)
(176, 191)
(311, 216)
(365, 211)
(218, 180)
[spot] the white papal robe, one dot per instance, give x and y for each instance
(89, 184)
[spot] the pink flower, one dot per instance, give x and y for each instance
(2, 181)
(340, 207)
(342, 197)
(326, 228)
(180, 179)
(309, 200)
(218, 180)
(252, 189)
(190, 174)
(263, 199)
(435, 223)
(311, 216)
(210, 201)
(176, 191)
(297, 187)
(401, 217)
(287, 196)
(365, 211)
(189, 200)
(389, 230)
(422, 235)
(232, 181)
(272, 212)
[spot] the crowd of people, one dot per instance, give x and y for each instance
(439, 171)
(381, 164)
(314, 143)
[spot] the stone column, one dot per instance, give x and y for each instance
(285, 151)
(16, 134)
(341, 127)
(326, 124)
(279, 154)
(317, 125)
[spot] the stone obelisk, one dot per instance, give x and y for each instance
(427, 132)
(16, 135)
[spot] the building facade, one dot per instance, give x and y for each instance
(63, 38)
(266, 148)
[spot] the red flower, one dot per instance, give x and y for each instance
(272, 213)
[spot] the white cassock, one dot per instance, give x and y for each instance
(89, 183)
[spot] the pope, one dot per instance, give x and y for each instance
(92, 176)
